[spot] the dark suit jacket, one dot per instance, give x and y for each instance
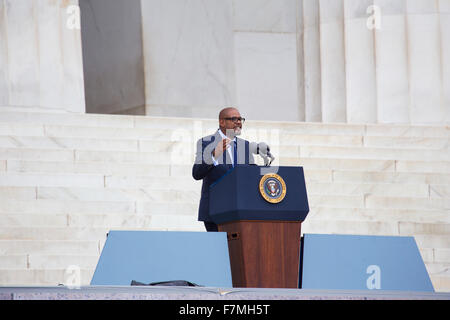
(205, 169)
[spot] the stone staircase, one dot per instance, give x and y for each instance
(67, 179)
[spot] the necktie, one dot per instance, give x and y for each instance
(234, 153)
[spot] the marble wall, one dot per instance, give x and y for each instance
(188, 56)
(40, 55)
(354, 61)
(113, 56)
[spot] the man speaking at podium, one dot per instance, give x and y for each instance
(216, 155)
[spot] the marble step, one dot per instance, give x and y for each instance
(440, 283)
(89, 156)
(379, 215)
(48, 179)
(9, 115)
(162, 221)
(42, 277)
(111, 168)
(48, 247)
(82, 167)
(373, 189)
(183, 179)
(182, 194)
(432, 241)
(134, 144)
(15, 147)
(36, 220)
(391, 177)
(408, 219)
(141, 194)
(173, 129)
(38, 261)
(98, 181)
(439, 275)
(352, 226)
(117, 194)
(50, 206)
(375, 153)
(185, 203)
(441, 255)
(379, 202)
(54, 234)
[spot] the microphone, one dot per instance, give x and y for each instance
(263, 150)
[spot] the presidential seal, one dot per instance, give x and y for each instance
(272, 188)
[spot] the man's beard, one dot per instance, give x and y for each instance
(231, 133)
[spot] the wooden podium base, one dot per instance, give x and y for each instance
(264, 254)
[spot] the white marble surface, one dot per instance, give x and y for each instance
(300, 62)
(445, 56)
(332, 59)
(265, 16)
(74, 98)
(425, 72)
(331, 10)
(444, 6)
(188, 53)
(113, 56)
(356, 8)
(311, 61)
(360, 72)
(51, 62)
(422, 6)
(266, 75)
(4, 96)
(392, 70)
(23, 53)
(317, 56)
(61, 195)
(391, 7)
(41, 58)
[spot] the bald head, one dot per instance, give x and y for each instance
(224, 113)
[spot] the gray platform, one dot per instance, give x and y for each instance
(204, 293)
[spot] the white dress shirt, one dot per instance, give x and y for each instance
(230, 152)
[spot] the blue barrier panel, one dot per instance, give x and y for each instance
(362, 263)
(155, 256)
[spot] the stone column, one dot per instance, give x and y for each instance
(425, 61)
(4, 86)
(360, 63)
(311, 60)
(392, 63)
(40, 55)
(444, 20)
(332, 56)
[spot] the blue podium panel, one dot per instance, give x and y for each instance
(362, 263)
(154, 256)
(243, 200)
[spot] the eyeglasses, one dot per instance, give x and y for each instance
(235, 119)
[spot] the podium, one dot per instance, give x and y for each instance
(261, 210)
